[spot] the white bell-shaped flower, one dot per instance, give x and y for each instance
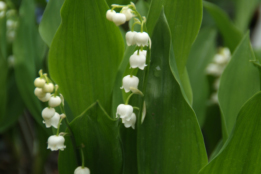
(2, 5)
(82, 170)
(109, 14)
(220, 59)
(226, 52)
(214, 69)
(56, 143)
(48, 87)
(130, 38)
(119, 18)
(39, 82)
(54, 101)
(54, 121)
(48, 113)
(130, 121)
(124, 111)
(138, 61)
(46, 98)
(142, 39)
(39, 92)
(127, 12)
(143, 52)
(128, 82)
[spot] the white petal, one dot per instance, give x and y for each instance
(45, 98)
(39, 92)
(54, 101)
(129, 81)
(143, 52)
(56, 142)
(130, 122)
(109, 14)
(39, 82)
(48, 113)
(130, 37)
(142, 39)
(80, 170)
(48, 87)
(119, 18)
(124, 110)
(138, 61)
(127, 12)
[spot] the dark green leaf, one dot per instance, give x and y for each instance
(100, 136)
(241, 153)
(169, 139)
(85, 54)
(50, 21)
(231, 35)
(201, 54)
(239, 81)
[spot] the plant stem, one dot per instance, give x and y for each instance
(82, 155)
(127, 101)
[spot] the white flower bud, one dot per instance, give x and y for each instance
(128, 82)
(39, 92)
(119, 18)
(109, 14)
(2, 5)
(39, 82)
(48, 113)
(54, 101)
(129, 122)
(142, 39)
(54, 121)
(127, 12)
(56, 142)
(226, 52)
(124, 111)
(11, 61)
(80, 170)
(130, 38)
(214, 69)
(138, 61)
(45, 98)
(48, 87)
(220, 59)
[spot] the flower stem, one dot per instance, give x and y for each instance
(82, 155)
(58, 129)
(127, 101)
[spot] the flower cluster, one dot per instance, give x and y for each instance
(137, 59)
(47, 92)
(216, 68)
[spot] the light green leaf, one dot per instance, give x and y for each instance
(201, 54)
(100, 136)
(231, 35)
(50, 21)
(241, 153)
(243, 13)
(184, 18)
(239, 81)
(85, 54)
(169, 139)
(121, 2)
(26, 58)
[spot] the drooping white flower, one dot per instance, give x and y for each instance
(128, 82)
(81, 170)
(39, 82)
(138, 61)
(56, 143)
(39, 92)
(142, 39)
(54, 121)
(2, 5)
(48, 113)
(214, 69)
(109, 14)
(119, 18)
(130, 121)
(226, 52)
(124, 111)
(220, 59)
(46, 98)
(48, 87)
(130, 38)
(143, 52)
(127, 12)
(54, 101)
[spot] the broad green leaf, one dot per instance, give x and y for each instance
(50, 21)
(169, 139)
(201, 54)
(100, 136)
(243, 13)
(184, 18)
(241, 153)
(26, 58)
(121, 2)
(239, 81)
(231, 35)
(85, 54)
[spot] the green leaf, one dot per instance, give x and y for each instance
(25, 48)
(239, 81)
(100, 136)
(85, 54)
(244, 12)
(201, 54)
(231, 35)
(241, 153)
(169, 139)
(121, 2)
(50, 21)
